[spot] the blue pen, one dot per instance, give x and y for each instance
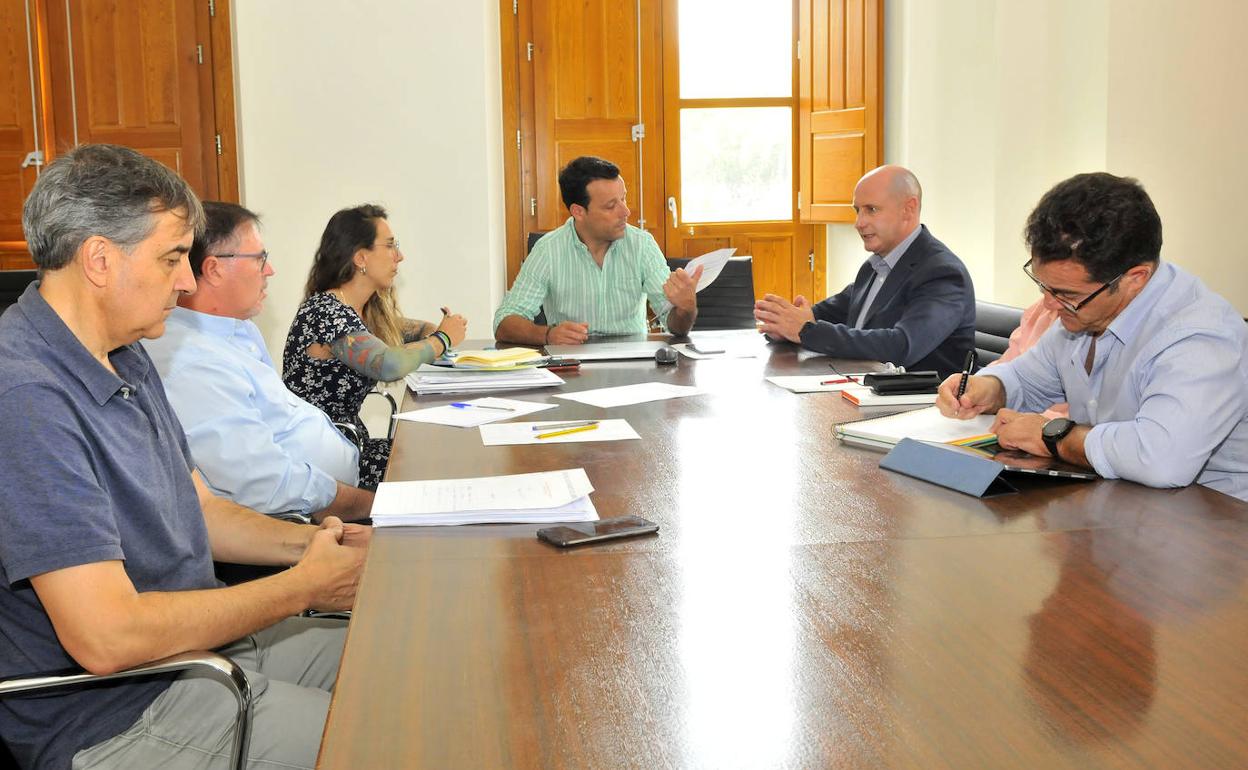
(466, 405)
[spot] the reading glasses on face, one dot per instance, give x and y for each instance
(1073, 307)
(263, 256)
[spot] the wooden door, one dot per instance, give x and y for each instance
(842, 112)
(593, 69)
(20, 133)
(126, 72)
(730, 142)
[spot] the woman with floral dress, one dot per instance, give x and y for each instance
(349, 334)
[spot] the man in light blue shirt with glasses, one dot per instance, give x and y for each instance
(1153, 363)
(253, 440)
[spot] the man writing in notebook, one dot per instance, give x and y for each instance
(1153, 363)
(594, 274)
(912, 303)
(253, 440)
(109, 537)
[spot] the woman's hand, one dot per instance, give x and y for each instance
(455, 326)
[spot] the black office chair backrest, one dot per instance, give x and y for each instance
(993, 325)
(729, 302)
(534, 237)
(13, 283)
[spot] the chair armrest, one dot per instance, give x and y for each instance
(394, 408)
(353, 435)
(214, 665)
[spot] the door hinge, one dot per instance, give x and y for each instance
(529, 49)
(199, 53)
(212, 7)
(218, 142)
(532, 207)
(799, 200)
(810, 258)
(517, 139)
(515, 7)
(799, 50)
(33, 158)
(639, 132)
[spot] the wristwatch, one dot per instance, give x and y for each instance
(1054, 431)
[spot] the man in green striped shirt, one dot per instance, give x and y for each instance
(594, 274)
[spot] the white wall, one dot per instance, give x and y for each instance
(991, 102)
(389, 101)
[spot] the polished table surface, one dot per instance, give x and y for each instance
(800, 607)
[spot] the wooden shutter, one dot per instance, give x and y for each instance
(840, 104)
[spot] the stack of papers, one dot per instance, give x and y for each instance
(920, 425)
(524, 498)
(476, 412)
(507, 358)
(438, 379)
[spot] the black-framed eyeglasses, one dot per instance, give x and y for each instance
(263, 256)
(1073, 307)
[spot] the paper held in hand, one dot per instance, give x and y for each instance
(540, 498)
(712, 265)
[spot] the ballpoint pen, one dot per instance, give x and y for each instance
(966, 372)
(552, 434)
(560, 425)
(466, 405)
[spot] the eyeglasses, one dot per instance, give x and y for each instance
(392, 245)
(263, 256)
(1073, 307)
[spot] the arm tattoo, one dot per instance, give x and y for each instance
(368, 355)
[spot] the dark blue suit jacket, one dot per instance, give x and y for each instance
(923, 317)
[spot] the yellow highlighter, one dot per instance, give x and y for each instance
(554, 433)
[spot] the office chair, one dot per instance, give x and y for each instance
(215, 666)
(729, 302)
(13, 283)
(993, 325)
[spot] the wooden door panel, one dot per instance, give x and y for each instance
(773, 265)
(17, 123)
(585, 99)
(135, 70)
(840, 113)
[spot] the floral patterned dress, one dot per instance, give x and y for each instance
(328, 383)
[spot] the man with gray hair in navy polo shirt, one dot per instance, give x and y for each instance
(107, 537)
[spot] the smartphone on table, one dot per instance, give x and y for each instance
(595, 531)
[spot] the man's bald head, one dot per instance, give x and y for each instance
(888, 200)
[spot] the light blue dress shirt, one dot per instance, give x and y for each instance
(253, 440)
(1168, 392)
(882, 267)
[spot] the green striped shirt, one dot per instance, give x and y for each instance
(562, 277)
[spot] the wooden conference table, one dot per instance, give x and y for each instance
(800, 607)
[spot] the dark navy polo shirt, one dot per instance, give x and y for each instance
(95, 468)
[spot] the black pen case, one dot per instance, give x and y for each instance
(902, 383)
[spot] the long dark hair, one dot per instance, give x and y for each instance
(348, 231)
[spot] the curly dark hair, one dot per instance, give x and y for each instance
(575, 177)
(1104, 222)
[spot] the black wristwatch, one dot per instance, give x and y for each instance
(1054, 431)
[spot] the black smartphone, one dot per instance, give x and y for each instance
(593, 531)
